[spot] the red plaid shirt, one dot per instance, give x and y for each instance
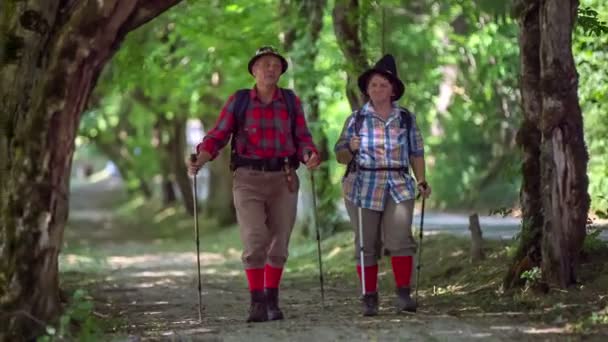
(267, 131)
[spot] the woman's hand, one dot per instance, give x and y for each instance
(354, 144)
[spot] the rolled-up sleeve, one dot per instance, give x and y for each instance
(305, 145)
(416, 143)
(348, 131)
(219, 135)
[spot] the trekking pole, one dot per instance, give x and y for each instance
(316, 218)
(360, 227)
(420, 248)
(198, 255)
(361, 255)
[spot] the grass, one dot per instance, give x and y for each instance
(451, 284)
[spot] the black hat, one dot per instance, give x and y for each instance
(267, 50)
(385, 67)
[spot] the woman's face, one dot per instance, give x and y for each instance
(379, 89)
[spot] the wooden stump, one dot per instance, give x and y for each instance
(476, 239)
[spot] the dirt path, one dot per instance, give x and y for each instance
(153, 295)
(156, 295)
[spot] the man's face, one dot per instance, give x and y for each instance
(379, 88)
(267, 70)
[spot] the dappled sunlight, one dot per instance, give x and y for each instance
(150, 274)
(233, 252)
(74, 259)
(185, 259)
(133, 204)
(334, 252)
(457, 253)
(164, 281)
(541, 331)
(164, 214)
(193, 331)
(80, 263)
(100, 176)
(450, 289)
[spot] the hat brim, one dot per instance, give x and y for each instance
(398, 86)
(255, 58)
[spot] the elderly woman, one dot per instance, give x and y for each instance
(380, 143)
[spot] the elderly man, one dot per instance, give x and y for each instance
(270, 138)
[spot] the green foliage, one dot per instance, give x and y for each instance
(593, 244)
(591, 24)
(185, 64)
(532, 278)
(591, 58)
(470, 140)
(77, 322)
(504, 212)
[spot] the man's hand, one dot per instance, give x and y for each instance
(312, 160)
(195, 163)
(424, 189)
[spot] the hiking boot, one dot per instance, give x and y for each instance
(370, 304)
(257, 310)
(405, 301)
(272, 300)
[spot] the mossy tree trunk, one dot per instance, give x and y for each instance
(555, 200)
(52, 53)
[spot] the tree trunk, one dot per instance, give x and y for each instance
(476, 239)
(168, 196)
(168, 193)
(564, 155)
(53, 52)
(112, 150)
(219, 204)
(554, 194)
(528, 254)
(303, 23)
(347, 29)
(176, 147)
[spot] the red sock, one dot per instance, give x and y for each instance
(402, 270)
(371, 278)
(255, 277)
(273, 276)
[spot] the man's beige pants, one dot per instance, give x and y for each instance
(266, 213)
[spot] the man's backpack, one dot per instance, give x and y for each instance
(405, 122)
(241, 102)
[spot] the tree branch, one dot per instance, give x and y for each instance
(148, 10)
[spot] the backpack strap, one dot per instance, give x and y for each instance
(358, 121)
(406, 119)
(358, 117)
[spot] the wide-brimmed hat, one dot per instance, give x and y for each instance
(386, 67)
(264, 51)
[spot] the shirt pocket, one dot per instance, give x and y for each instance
(400, 138)
(254, 134)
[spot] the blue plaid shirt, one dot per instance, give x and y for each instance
(384, 144)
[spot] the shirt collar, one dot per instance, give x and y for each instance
(277, 95)
(368, 108)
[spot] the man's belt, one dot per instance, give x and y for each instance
(266, 164)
